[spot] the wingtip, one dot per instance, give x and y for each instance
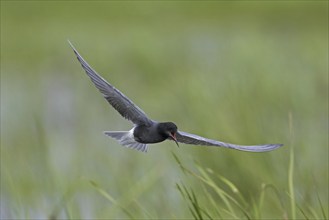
(271, 147)
(277, 145)
(258, 148)
(75, 51)
(71, 45)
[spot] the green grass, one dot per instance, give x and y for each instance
(241, 72)
(221, 199)
(218, 198)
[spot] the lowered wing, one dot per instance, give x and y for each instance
(187, 138)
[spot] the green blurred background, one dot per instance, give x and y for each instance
(241, 72)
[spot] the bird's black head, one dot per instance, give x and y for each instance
(169, 130)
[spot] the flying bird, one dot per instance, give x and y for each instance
(147, 131)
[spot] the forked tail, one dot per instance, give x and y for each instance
(126, 138)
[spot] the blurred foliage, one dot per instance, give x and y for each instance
(233, 71)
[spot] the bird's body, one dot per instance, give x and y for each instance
(141, 135)
(149, 134)
(147, 131)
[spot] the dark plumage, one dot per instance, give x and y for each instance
(147, 131)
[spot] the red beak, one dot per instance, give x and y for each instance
(173, 136)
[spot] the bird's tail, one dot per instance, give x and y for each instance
(116, 134)
(126, 138)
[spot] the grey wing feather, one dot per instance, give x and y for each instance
(117, 99)
(187, 138)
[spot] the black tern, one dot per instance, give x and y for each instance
(147, 131)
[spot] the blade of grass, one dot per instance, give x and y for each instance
(299, 208)
(110, 198)
(323, 212)
(69, 213)
(193, 213)
(291, 170)
(220, 192)
(178, 162)
(234, 189)
(313, 212)
(255, 208)
(225, 196)
(195, 209)
(212, 201)
(321, 206)
(194, 205)
(180, 190)
(261, 201)
(291, 185)
(302, 211)
(266, 187)
(206, 179)
(144, 210)
(185, 195)
(148, 180)
(65, 199)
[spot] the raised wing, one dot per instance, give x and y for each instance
(117, 99)
(187, 138)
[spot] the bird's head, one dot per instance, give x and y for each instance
(169, 129)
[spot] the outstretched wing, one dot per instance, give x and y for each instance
(117, 99)
(187, 138)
